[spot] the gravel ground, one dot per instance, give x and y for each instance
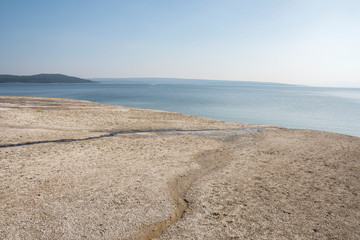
(254, 183)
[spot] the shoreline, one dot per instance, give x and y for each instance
(339, 116)
(151, 183)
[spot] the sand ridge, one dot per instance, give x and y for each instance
(251, 183)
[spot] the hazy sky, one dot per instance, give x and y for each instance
(303, 42)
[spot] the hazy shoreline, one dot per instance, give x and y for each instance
(140, 185)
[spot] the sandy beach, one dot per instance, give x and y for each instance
(72, 169)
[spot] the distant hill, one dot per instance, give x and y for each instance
(42, 78)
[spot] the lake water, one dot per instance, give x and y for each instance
(328, 109)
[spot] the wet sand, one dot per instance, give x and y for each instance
(249, 183)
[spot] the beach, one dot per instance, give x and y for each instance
(73, 169)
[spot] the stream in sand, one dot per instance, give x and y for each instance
(112, 134)
(209, 161)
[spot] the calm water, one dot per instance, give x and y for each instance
(329, 109)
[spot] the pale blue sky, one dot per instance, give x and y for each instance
(313, 42)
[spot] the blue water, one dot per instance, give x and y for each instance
(328, 109)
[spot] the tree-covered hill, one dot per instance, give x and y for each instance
(42, 78)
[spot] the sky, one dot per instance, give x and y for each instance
(310, 42)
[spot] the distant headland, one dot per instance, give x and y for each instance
(42, 78)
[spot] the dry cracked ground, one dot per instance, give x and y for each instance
(115, 175)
